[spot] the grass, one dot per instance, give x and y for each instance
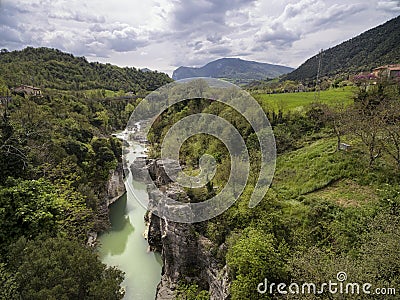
(299, 101)
(314, 168)
(346, 193)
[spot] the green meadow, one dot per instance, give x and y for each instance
(299, 101)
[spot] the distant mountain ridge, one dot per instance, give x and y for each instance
(375, 47)
(234, 69)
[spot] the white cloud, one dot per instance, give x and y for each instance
(389, 6)
(304, 17)
(164, 34)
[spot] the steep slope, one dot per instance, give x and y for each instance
(235, 69)
(51, 68)
(373, 48)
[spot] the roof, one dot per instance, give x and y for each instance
(388, 67)
(394, 68)
(27, 86)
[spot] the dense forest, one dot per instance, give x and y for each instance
(57, 155)
(329, 209)
(373, 48)
(51, 68)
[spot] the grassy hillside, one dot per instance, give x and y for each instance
(373, 48)
(51, 68)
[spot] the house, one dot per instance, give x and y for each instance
(388, 71)
(344, 147)
(28, 90)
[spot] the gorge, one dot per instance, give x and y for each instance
(124, 245)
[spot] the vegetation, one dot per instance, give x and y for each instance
(328, 210)
(191, 292)
(57, 268)
(286, 102)
(56, 157)
(51, 68)
(374, 48)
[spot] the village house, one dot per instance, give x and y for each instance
(388, 71)
(28, 90)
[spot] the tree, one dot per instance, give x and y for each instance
(390, 123)
(366, 124)
(36, 207)
(375, 119)
(9, 287)
(191, 292)
(334, 116)
(252, 258)
(56, 268)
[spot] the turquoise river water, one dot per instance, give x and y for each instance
(124, 245)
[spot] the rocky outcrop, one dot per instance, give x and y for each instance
(186, 254)
(115, 185)
(114, 189)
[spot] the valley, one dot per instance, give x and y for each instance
(71, 227)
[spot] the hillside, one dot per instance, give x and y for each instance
(51, 68)
(373, 48)
(234, 69)
(329, 208)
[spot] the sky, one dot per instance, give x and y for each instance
(165, 34)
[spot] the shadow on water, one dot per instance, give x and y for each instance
(120, 223)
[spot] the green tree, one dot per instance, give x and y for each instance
(36, 207)
(253, 257)
(56, 268)
(191, 292)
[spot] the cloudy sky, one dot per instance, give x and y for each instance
(165, 34)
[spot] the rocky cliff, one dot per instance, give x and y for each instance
(114, 189)
(187, 255)
(115, 185)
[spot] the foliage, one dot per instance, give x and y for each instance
(373, 48)
(190, 292)
(252, 257)
(36, 207)
(57, 268)
(322, 211)
(51, 68)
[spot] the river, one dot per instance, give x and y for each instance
(124, 245)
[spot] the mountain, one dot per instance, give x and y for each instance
(52, 68)
(234, 69)
(375, 47)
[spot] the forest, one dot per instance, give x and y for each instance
(54, 69)
(376, 47)
(56, 156)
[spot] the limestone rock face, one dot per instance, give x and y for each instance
(186, 254)
(115, 185)
(114, 189)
